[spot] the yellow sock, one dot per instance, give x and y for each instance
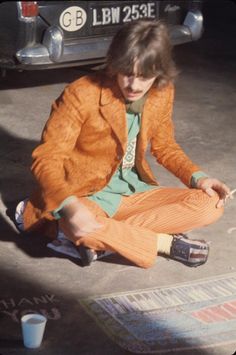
(164, 243)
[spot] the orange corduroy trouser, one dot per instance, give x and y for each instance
(133, 230)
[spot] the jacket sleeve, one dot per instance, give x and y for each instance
(164, 147)
(58, 141)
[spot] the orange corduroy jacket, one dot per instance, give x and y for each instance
(84, 142)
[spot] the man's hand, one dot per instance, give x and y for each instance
(212, 186)
(79, 220)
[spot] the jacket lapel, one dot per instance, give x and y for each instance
(113, 111)
(151, 112)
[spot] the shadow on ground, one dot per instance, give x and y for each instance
(68, 329)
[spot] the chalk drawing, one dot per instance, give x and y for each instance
(45, 304)
(194, 315)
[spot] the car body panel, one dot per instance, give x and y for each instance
(69, 33)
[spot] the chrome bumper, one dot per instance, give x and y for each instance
(54, 49)
(191, 30)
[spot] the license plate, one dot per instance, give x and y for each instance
(122, 13)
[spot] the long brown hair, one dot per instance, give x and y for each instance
(148, 43)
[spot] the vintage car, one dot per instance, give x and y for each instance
(50, 34)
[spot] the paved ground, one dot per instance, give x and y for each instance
(204, 115)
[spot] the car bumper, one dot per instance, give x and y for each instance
(54, 51)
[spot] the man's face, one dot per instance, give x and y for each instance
(134, 87)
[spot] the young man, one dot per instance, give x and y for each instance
(93, 180)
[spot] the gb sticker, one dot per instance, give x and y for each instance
(73, 18)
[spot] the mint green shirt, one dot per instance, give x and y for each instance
(125, 181)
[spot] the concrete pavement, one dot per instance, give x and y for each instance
(33, 277)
